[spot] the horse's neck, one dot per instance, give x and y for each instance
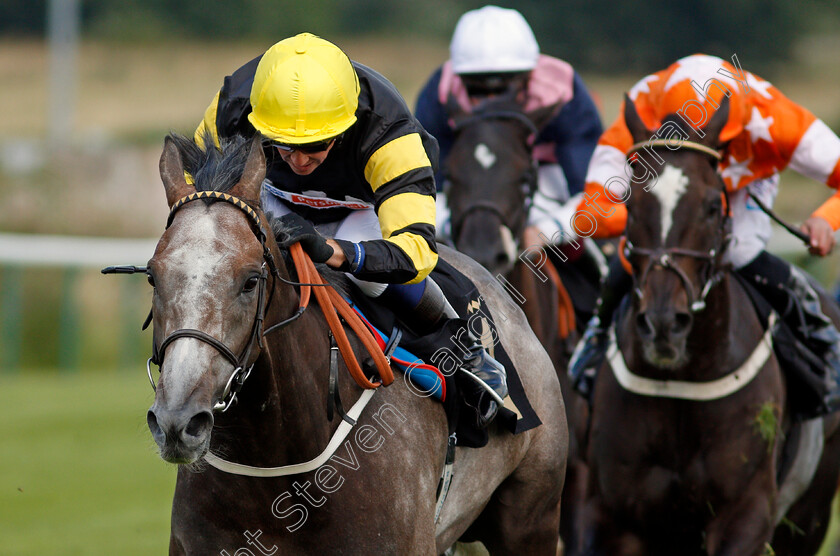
(281, 415)
(726, 331)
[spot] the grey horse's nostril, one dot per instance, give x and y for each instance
(199, 424)
(154, 427)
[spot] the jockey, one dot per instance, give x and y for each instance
(765, 133)
(494, 51)
(347, 159)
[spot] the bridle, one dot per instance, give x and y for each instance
(336, 311)
(529, 177)
(663, 257)
(242, 363)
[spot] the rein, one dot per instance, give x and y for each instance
(331, 302)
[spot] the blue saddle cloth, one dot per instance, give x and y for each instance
(427, 378)
(417, 356)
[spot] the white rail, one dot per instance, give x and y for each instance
(84, 251)
(53, 250)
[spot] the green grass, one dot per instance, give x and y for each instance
(78, 472)
(832, 536)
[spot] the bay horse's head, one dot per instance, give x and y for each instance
(491, 177)
(677, 228)
(209, 274)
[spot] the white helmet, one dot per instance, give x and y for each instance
(493, 40)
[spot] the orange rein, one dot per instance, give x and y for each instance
(333, 305)
(565, 308)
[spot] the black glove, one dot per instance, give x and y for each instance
(298, 229)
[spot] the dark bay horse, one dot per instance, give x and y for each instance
(225, 310)
(491, 182)
(690, 415)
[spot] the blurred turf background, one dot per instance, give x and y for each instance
(78, 471)
(79, 474)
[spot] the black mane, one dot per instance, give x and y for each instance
(213, 169)
(219, 169)
(686, 130)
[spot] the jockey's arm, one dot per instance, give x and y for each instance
(338, 258)
(811, 148)
(575, 132)
(606, 181)
(821, 234)
(401, 177)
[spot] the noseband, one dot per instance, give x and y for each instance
(240, 372)
(663, 257)
(336, 311)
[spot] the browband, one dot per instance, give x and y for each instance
(235, 201)
(690, 145)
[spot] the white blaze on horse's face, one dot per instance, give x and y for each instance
(198, 253)
(484, 156)
(669, 189)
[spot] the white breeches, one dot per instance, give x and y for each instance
(751, 228)
(359, 225)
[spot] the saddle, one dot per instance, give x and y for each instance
(578, 280)
(803, 369)
(517, 415)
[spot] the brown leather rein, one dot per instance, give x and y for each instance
(331, 302)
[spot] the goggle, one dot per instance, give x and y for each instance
(308, 148)
(479, 85)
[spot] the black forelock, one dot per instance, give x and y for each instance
(681, 125)
(213, 168)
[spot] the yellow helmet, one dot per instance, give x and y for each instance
(305, 90)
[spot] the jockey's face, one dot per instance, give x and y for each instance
(481, 86)
(306, 158)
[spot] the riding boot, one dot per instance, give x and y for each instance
(591, 350)
(424, 312)
(793, 296)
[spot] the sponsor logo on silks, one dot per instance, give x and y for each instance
(315, 202)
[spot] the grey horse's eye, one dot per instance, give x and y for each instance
(250, 284)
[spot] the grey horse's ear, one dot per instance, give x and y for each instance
(253, 175)
(638, 129)
(172, 172)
